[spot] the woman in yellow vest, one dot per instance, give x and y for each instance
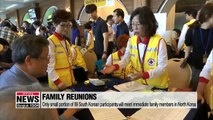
(146, 51)
(77, 58)
(90, 37)
(60, 71)
(205, 75)
(115, 57)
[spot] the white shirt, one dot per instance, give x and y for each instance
(37, 32)
(52, 74)
(111, 33)
(162, 59)
(183, 34)
(89, 38)
(206, 71)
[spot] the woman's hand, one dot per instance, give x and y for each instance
(108, 69)
(62, 86)
(200, 98)
(135, 76)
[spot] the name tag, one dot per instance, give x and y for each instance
(151, 49)
(133, 55)
(60, 52)
(58, 46)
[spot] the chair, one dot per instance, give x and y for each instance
(90, 59)
(1, 47)
(178, 77)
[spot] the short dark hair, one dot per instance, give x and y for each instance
(119, 12)
(147, 19)
(5, 24)
(206, 12)
(88, 25)
(14, 28)
(37, 23)
(61, 16)
(192, 12)
(109, 17)
(28, 45)
(4, 42)
(27, 23)
(74, 23)
(91, 8)
(43, 28)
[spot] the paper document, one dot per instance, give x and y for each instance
(132, 86)
(107, 114)
(161, 114)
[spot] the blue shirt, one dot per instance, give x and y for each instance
(98, 28)
(122, 28)
(76, 33)
(15, 77)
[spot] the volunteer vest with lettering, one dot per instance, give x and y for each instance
(91, 45)
(63, 63)
(78, 58)
(150, 61)
(121, 73)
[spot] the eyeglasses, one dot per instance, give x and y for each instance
(135, 24)
(65, 25)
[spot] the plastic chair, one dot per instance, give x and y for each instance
(178, 77)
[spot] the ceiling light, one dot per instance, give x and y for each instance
(11, 6)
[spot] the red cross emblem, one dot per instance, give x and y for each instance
(151, 61)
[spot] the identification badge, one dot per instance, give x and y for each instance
(205, 56)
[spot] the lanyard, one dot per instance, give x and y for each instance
(202, 41)
(143, 59)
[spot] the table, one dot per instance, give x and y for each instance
(194, 114)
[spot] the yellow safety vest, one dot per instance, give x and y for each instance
(121, 73)
(150, 61)
(63, 63)
(91, 45)
(188, 24)
(211, 89)
(78, 59)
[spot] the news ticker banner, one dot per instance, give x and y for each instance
(26, 99)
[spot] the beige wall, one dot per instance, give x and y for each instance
(128, 4)
(155, 4)
(77, 5)
(103, 12)
(171, 19)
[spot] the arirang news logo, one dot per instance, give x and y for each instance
(27, 99)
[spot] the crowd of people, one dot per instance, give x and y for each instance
(39, 51)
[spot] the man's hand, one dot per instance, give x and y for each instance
(183, 63)
(104, 57)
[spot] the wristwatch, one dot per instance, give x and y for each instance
(105, 52)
